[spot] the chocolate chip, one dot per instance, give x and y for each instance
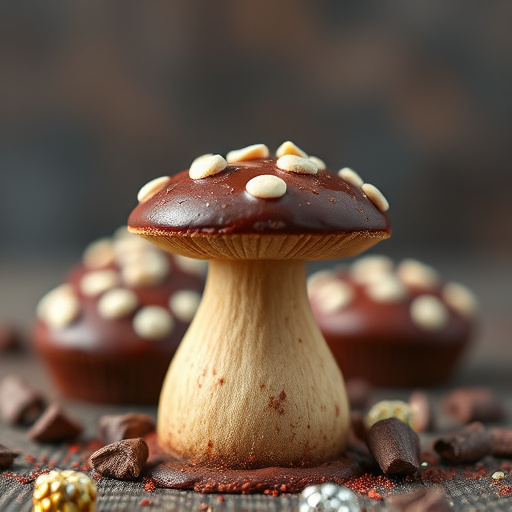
(7, 456)
(358, 392)
(122, 460)
(422, 411)
(470, 444)
(501, 441)
(114, 428)
(395, 446)
(54, 426)
(20, 403)
(473, 404)
(420, 500)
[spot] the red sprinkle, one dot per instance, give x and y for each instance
(149, 484)
(144, 502)
(374, 495)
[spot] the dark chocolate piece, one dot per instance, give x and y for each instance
(115, 428)
(123, 460)
(7, 456)
(395, 446)
(20, 403)
(473, 404)
(10, 338)
(54, 426)
(470, 444)
(501, 442)
(422, 410)
(358, 392)
(421, 500)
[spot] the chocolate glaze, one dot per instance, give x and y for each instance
(316, 204)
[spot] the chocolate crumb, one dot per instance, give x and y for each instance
(20, 403)
(54, 426)
(395, 446)
(113, 428)
(470, 444)
(420, 500)
(473, 404)
(122, 460)
(501, 440)
(7, 456)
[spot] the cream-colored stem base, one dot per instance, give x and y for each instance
(253, 383)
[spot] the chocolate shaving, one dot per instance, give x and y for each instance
(20, 403)
(395, 446)
(420, 500)
(501, 440)
(473, 404)
(7, 456)
(123, 460)
(113, 428)
(470, 444)
(54, 426)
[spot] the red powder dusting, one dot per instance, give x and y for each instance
(220, 499)
(506, 490)
(374, 495)
(437, 475)
(74, 448)
(96, 476)
(149, 484)
(31, 459)
(366, 484)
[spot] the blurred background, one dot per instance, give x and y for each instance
(97, 98)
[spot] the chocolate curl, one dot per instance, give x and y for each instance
(395, 446)
(468, 445)
(20, 403)
(473, 404)
(501, 440)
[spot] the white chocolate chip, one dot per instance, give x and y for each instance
(317, 280)
(461, 299)
(249, 153)
(429, 313)
(318, 162)
(153, 323)
(416, 274)
(145, 269)
(97, 282)
(202, 157)
(99, 253)
(387, 289)
(59, 307)
(297, 164)
(289, 148)
(151, 188)
(191, 265)
(372, 268)
(334, 296)
(207, 166)
(266, 186)
(376, 197)
(117, 303)
(184, 304)
(351, 176)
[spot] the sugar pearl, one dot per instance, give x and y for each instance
(249, 153)
(59, 307)
(266, 186)
(153, 323)
(296, 164)
(376, 197)
(151, 188)
(351, 176)
(207, 166)
(429, 313)
(334, 296)
(318, 162)
(97, 282)
(117, 303)
(416, 274)
(461, 299)
(289, 148)
(184, 304)
(99, 253)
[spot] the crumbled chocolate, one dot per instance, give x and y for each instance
(395, 447)
(113, 428)
(20, 403)
(7, 456)
(54, 426)
(358, 393)
(501, 441)
(422, 411)
(123, 460)
(470, 444)
(473, 404)
(420, 500)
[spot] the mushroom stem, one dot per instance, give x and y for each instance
(253, 383)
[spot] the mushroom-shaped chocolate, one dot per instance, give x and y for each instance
(253, 383)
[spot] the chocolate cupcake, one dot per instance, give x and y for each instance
(109, 332)
(394, 326)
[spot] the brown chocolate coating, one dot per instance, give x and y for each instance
(314, 204)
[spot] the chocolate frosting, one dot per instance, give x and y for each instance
(313, 204)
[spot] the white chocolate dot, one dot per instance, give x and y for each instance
(318, 162)
(145, 269)
(99, 253)
(97, 282)
(153, 323)
(461, 299)
(249, 153)
(184, 304)
(296, 164)
(351, 176)
(202, 157)
(59, 307)
(122, 232)
(376, 196)
(289, 148)
(414, 273)
(371, 268)
(334, 296)
(318, 279)
(387, 289)
(151, 188)
(127, 247)
(266, 186)
(428, 313)
(207, 166)
(191, 265)
(117, 303)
